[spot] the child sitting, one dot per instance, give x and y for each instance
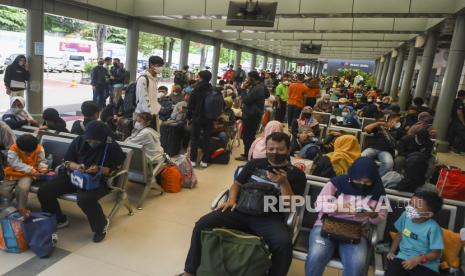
(420, 238)
(26, 162)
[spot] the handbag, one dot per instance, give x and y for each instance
(40, 230)
(88, 182)
(252, 198)
(341, 230)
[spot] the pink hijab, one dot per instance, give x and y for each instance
(258, 148)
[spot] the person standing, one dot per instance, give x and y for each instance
(457, 126)
(201, 125)
(98, 82)
(282, 94)
(147, 91)
(117, 76)
(228, 75)
(108, 83)
(16, 76)
(239, 76)
(252, 110)
(296, 100)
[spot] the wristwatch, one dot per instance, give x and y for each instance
(424, 259)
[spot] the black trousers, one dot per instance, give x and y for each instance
(395, 268)
(99, 96)
(281, 111)
(250, 126)
(293, 112)
(86, 200)
(200, 137)
(310, 102)
(272, 228)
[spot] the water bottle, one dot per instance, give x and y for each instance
(49, 160)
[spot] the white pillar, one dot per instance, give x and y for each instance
(215, 61)
(132, 46)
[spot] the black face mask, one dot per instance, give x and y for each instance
(115, 64)
(360, 187)
(307, 115)
(277, 158)
(101, 63)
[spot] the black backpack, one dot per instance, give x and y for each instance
(180, 78)
(130, 98)
(213, 105)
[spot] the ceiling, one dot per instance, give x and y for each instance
(362, 29)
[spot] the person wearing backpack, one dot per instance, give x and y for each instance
(90, 111)
(252, 110)
(199, 114)
(147, 91)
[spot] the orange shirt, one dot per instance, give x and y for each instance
(297, 93)
(314, 92)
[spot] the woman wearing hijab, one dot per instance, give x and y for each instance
(324, 105)
(425, 121)
(17, 116)
(304, 129)
(86, 154)
(53, 121)
(362, 184)
(16, 76)
(350, 118)
(346, 151)
(258, 148)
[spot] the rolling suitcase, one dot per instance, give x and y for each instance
(171, 137)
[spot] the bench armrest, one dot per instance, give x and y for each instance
(223, 196)
(112, 177)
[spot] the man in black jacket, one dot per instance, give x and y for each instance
(252, 110)
(117, 76)
(16, 76)
(98, 82)
(197, 117)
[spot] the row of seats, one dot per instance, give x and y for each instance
(326, 127)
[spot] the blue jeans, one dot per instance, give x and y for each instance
(387, 162)
(321, 250)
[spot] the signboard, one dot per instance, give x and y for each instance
(75, 47)
(364, 65)
(38, 48)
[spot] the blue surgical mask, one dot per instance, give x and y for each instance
(341, 106)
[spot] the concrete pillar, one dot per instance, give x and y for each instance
(380, 71)
(392, 65)
(407, 81)
(184, 55)
(132, 46)
(397, 73)
(376, 67)
(35, 57)
(253, 62)
(265, 62)
(282, 66)
(462, 80)
(273, 64)
(387, 60)
(450, 83)
(426, 64)
(215, 61)
(237, 60)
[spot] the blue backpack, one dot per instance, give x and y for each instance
(213, 105)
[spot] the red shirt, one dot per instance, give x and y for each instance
(228, 75)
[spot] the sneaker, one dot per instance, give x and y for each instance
(63, 224)
(203, 164)
(193, 164)
(98, 237)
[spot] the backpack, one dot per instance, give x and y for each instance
(171, 179)
(185, 166)
(213, 105)
(180, 78)
(12, 236)
(130, 98)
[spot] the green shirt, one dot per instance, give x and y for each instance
(282, 91)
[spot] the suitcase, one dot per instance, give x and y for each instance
(171, 137)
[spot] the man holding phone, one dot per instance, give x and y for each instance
(287, 180)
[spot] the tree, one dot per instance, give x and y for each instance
(12, 19)
(148, 42)
(117, 35)
(100, 36)
(61, 24)
(164, 48)
(224, 56)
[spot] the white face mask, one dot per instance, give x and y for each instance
(412, 213)
(397, 125)
(138, 126)
(344, 114)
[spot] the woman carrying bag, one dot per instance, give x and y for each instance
(90, 159)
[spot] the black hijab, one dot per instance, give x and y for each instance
(53, 120)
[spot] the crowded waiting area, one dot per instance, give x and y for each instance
(232, 137)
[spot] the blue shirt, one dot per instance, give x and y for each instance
(419, 239)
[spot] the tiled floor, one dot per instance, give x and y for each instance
(152, 242)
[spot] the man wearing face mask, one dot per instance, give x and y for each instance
(16, 76)
(418, 143)
(274, 172)
(99, 83)
(381, 146)
(117, 76)
(282, 94)
(147, 91)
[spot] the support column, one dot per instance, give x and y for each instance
(376, 67)
(392, 65)
(426, 64)
(407, 81)
(265, 62)
(282, 66)
(215, 61)
(450, 83)
(273, 64)
(380, 71)
(237, 60)
(387, 60)
(397, 73)
(35, 57)
(132, 46)
(184, 56)
(253, 62)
